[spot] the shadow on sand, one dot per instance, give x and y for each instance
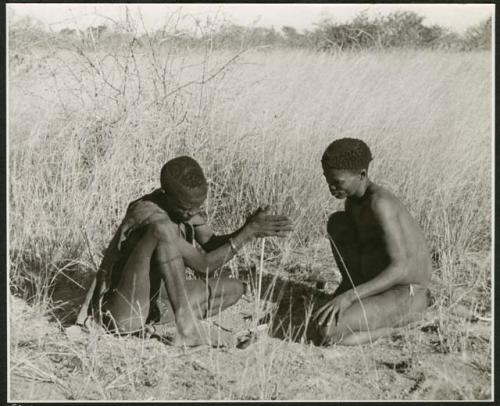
(38, 282)
(293, 304)
(289, 303)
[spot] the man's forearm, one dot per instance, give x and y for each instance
(388, 278)
(217, 241)
(222, 251)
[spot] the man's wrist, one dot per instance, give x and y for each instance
(239, 239)
(248, 231)
(350, 296)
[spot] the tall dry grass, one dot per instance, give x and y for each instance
(79, 150)
(89, 132)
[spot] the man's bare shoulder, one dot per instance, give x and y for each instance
(141, 213)
(383, 201)
(145, 211)
(388, 208)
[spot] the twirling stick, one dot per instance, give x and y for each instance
(259, 286)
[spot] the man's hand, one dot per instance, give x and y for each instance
(138, 214)
(262, 224)
(334, 309)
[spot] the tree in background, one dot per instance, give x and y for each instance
(478, 36)
(401, 29)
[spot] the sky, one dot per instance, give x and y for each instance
(457, 17)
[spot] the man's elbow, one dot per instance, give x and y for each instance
(399, 272)
(204, 266)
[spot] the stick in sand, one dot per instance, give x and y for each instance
(259, 288)
(251, 336)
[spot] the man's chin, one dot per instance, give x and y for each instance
(340, 196)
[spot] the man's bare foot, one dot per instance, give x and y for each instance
(92, 326)
(247, 337)
(75, 332)
(202, 333)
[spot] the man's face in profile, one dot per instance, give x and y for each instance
(183, 203)
(342, 183)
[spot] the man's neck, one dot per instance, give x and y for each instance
(361, 192)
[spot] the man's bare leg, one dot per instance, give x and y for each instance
(207, 297)
(189, 299)
(366, 337)
(129, 303)
(378, 315)
(215, 296)
(127, 306)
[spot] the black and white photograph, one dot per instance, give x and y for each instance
(249, 202)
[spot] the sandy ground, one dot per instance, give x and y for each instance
(49, 359)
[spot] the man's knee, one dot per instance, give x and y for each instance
(162, 230)
(232, 290)
(116, 324)
(164, 233)
(415, 304)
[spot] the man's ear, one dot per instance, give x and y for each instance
(362, 174)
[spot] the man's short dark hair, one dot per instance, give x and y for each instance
(347, 153)
(183, 171)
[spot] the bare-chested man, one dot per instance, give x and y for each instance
(145, 264)
(380, 251)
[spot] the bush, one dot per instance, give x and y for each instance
(401, 29)
(478, 36)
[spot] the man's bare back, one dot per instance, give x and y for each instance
(380, 251)
(372, 238)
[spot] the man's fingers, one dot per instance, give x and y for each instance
(274, 217)
(277, 231)
(333, 315)
(340, 314)
(324, 317)
(324, 311)
(279, 234)
(317, 315)
(278, 224)
(318, 312)
(279, 221)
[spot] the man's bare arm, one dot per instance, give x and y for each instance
(205, 236)
(260, 224)
(394, 241)
(209, 241)
(206, 262)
